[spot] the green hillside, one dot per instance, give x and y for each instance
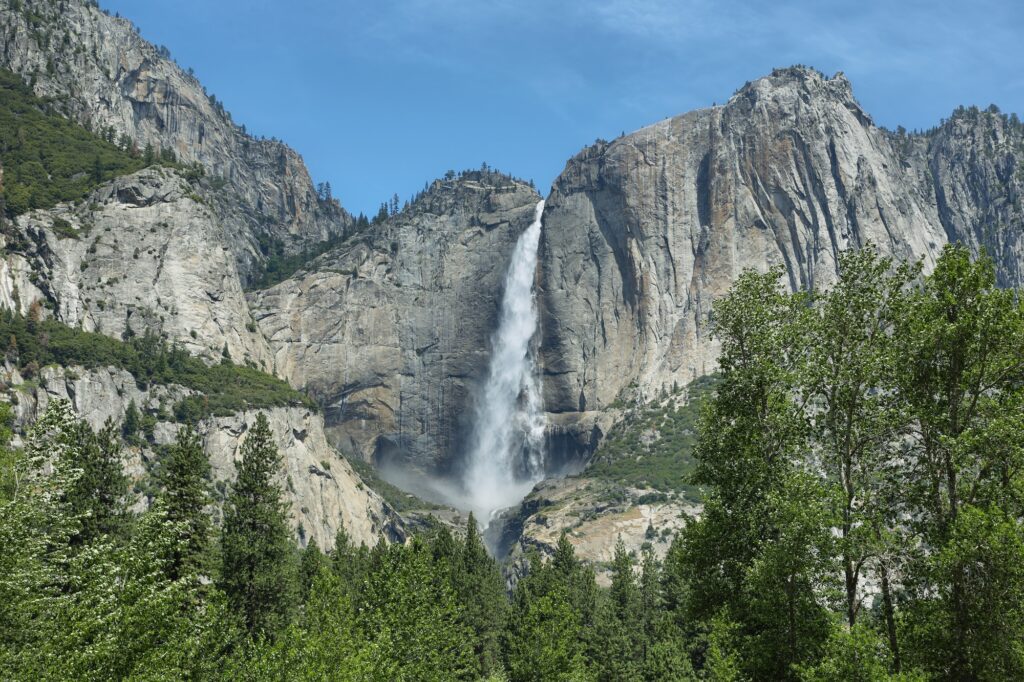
(226, 388)
(652, 446)
(47, 158)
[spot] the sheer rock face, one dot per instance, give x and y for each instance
(322, 490)
(642, 234)
(391, 331)
(103, 74)
(141, 253)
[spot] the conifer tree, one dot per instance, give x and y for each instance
(620, 638)
(188, 493)
(412, 618)
(258, 574)
(543, 639)
(132, 422)
(579, 582)
(313, 561)
(481, 592)
(446, 552)
(349, 563)
(97, 496)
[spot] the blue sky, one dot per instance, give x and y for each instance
(381, 96)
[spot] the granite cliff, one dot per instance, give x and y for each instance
(643, 233)
(166, 250)
(640, 235)
(101, 73)
(391, 331)
(323, 492)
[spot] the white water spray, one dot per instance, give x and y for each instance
(507, 446)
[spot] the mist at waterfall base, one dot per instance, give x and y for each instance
(504, 455)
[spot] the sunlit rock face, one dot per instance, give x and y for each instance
(392, 331)
(642, 234)
(323, 493)
(142, 253)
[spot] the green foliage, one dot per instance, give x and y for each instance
(413, 618)
(225, 388)
(855, 654)
(36, 526)
(96, 497)
(552, 614)
(258, 573)
(8, 456)
(48, 159)
(875, 428)
(958, 342)
(481, 592)
(848, 377)
(132, 423)
(105, 609)
(543, 640)
(325, 644)
(618, 649)
(280, 265)
(652, 446)
(186, 479)
(311, 564)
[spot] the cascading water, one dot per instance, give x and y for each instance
(506, 456)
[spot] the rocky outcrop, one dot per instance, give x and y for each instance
(642, 234)
(391, 331)
(323, 492)
(144, 252)
(594, 515)
(976, 163)
(100, 72)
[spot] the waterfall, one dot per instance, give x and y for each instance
(506, 455)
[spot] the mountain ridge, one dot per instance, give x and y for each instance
(107, 77)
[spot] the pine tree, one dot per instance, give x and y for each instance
(578, 580)
(97, 496)
(349, 563)
(132, 422)
(36, 526)
(620, 639)
(412, 616)
(313, 561)
(9, 458)
(481, 592)
(187, 488)
(258, 574)
(543, 639)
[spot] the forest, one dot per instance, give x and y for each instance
(859, 459)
